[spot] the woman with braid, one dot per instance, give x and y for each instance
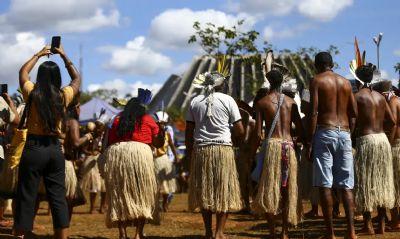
(129, 169)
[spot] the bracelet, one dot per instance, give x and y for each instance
(68, 64)
(36, 55)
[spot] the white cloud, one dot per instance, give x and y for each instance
(396, 52)
(323, 10)
(172, 28)
(265, 7)
(136, 58)
(15, 49)
(386, 76)
(271, 32)
(124, 87)
(62, 16)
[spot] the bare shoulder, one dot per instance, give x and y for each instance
(289, 100)
(378, 97)
(344, 82)
(73, 123)
(316, 80)
(394, 102)
(362, 94)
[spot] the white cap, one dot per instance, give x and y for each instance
(162, 116)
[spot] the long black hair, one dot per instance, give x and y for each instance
(131, 117)
(47, 96)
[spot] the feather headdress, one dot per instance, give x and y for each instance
(358, 59)
(209, 80)
(289, 83)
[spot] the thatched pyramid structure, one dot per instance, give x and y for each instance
(246, 78)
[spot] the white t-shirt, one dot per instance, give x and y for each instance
(214, 129)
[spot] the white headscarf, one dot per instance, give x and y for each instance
(208, 81)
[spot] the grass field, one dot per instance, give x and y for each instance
(179, 223)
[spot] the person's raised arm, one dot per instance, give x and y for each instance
(189, 138)
(28, 66)
(72, 71)
(14, 118)
(74, 135)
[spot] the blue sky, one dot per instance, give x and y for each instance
(130, 44)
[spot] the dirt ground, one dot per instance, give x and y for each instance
(179, 223)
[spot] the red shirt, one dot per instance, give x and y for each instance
(144, 134)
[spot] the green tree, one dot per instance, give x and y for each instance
(85, 97)
(312, 51)
(221, 40)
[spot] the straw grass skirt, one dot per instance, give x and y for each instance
(243, 169)
(214, 182)
(305, 187)
(268, 197)
(374, 184)
(165, 174)
(92, 181)
(8, 179)
(71, 182)
(130, 182)
(396, 171)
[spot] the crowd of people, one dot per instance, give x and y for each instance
(265, 159)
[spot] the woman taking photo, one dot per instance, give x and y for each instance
(129, 169)
(42, 156)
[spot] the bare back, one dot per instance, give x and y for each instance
(289, 114)
(334, 99)
(371, 112)
(394, 104)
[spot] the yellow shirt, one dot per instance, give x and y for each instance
(34, 124)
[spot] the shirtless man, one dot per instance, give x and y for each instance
(332, 109)
(385, 88)
(373, 163)
(278, 180)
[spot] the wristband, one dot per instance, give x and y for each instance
(68, 64)
(36, 55)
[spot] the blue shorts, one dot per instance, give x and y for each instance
(333, 163)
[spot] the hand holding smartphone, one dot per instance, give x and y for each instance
(3, 89)
(55, 43)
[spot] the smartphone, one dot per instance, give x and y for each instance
(55, 42)
(3, 88)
